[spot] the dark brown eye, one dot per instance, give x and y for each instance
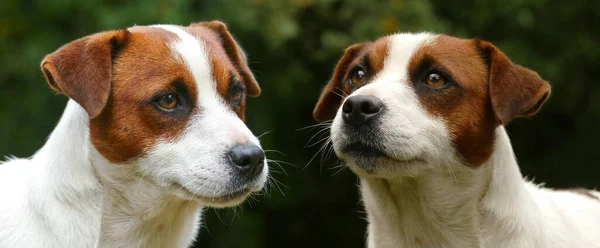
(358, 77)
(435, 80)
(169, 101)
(236, 93)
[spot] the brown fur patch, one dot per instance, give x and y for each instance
(515, 91)
(129, 123)
(370, 56)
(234, 53)
(225, 69)
(486, 93)
(82, 69)
(465, 109)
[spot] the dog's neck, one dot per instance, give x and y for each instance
(447, 208)
(65, 179)
(138, 213)
(119, 211)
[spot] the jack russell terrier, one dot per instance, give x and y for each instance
(420, 119)
(153, 131)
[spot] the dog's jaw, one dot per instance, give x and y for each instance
(138, 212)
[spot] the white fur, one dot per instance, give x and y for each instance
(439, 202)
(68, 195)
(53, 199)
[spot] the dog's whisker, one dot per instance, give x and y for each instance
(277, 151)
(326, 154)
(219, 216)
(279, 165)
(342, 168)
(342, 91)
(266, 190)
(320, 134)
(317, 153)
(278, 185)
(325, 123)
(234, 215)
(337, 166)
(265, 133)
(283, 162)
(277, 172)
(338, 94)
(319, 141)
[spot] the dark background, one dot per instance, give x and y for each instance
(292, 48)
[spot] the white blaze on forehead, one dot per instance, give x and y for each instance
(401, 48)
(193, 54)
(216, 116)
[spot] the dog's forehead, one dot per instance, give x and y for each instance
(401, 48)
(199, 50)
(458, 57)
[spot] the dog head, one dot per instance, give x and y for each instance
(167, 103)
(407, 103)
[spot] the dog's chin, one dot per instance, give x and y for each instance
(371, 161)
(230, 198)
(381, 167)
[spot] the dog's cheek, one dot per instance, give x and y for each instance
(121, 135)
(474, 131)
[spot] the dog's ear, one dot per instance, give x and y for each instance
(515, 91)
(235, 54)
(331, 97)
(82, 69)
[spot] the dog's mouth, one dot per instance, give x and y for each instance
(229, 199)
(372, 158)
(359, 149)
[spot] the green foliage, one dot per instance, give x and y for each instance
(292, 48)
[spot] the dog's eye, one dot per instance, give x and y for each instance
(436, 80)
(236, 94)
(168, 101)
(358, 77)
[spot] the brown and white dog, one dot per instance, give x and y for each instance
(421, 123)
(153, 131)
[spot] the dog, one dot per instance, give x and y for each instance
(420, 117)
(153, 132)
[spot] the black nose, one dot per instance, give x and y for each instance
(358, 110)
(248, 159)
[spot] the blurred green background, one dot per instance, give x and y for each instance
(292, 48)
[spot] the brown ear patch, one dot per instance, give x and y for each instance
(331, 96)
(515, 91)
(228, 63)
(370, 56)
(235, 54)
(82, 69)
